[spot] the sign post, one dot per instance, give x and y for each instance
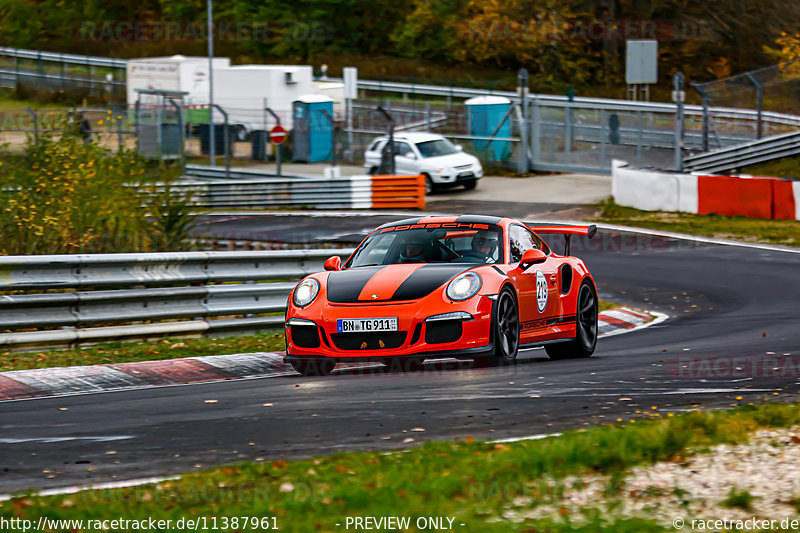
(350, 75)
(277, 135)
(678, 95)
(641, 67)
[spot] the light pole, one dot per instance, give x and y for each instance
(211, 140)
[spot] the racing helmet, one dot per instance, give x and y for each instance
(415, 250)
(485, 242)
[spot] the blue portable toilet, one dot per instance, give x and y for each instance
(312, 134)
(484, 114)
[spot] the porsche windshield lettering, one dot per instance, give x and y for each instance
(448, 242)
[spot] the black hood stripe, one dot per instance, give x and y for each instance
(344, 286)
(427, 279)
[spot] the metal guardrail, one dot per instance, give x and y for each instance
(738, 156)
(453, 92)
(38, 55)
(158, 287)
(200, 172)
(259, 190)
(10, 76)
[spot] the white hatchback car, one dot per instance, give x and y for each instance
(443, 163)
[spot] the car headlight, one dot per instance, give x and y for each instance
(305, 292)
(464, 286)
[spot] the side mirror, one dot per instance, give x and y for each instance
(531, 257)
(411, 155)
(333, 263)
(459, 148)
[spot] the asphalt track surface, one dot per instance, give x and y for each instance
(725, 301)
(349, 230)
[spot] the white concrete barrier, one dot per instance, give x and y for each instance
(653, 191)
(744, 195)
(796, 191)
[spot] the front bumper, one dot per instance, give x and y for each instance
(416, 337)
(458, 178)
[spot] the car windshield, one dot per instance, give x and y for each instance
(431, 243)
(436, 148)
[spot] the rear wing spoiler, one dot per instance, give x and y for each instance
(567, 231)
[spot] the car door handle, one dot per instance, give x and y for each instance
(553, 278)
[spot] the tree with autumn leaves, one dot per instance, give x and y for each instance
(563, 43)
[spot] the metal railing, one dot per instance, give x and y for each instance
(92, 297)
(201, 173)
(604, 103)
(561, 133)
(38, 55)
(750, 153)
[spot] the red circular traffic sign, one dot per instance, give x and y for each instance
(277, 134)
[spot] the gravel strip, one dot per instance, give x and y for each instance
(768, 467)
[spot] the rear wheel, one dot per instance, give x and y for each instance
(506, 332)
(314, 367)
(585, 330)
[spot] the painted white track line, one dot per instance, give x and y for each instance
(673, 235)
(73, 489)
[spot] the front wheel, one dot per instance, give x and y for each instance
(241, 133)
(469, 185)
(506, 332)
(585, 330)
(314, 367)
(430, 187)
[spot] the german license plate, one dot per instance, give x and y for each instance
(466, 175)
(358, 325)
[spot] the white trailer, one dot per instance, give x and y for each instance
(172, 73)
(244, 91)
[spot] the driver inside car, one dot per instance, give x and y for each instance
(417, 251)
(485, 243)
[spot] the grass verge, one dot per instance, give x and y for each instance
(788, 167)
(128, 352)
(785, 232)
(478, 484)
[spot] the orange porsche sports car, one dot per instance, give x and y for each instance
(474, 287)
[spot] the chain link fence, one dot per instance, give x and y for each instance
(773, 89)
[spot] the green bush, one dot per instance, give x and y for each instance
(66, 196)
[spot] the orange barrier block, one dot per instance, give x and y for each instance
(723, 195)
(398, 192)
(783, 200)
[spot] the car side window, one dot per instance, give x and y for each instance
(521, 240)
(374, 146)
(403, 149)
